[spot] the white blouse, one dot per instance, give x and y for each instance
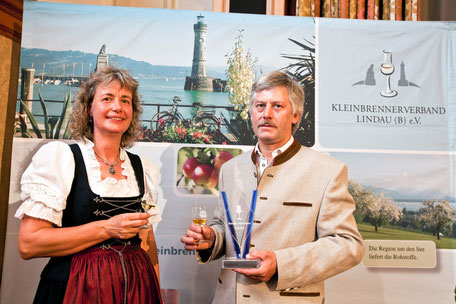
(47, 181)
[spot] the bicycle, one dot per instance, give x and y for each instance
(164, 119)
(207, 119)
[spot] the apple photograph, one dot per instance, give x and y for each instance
(198, 168)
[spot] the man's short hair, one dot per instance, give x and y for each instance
(279, 79)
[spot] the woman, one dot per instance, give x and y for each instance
(82, 202)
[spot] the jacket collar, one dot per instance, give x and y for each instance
(282, 157)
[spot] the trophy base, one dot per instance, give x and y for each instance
(240, 263)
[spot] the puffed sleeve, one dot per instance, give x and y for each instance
(151, 185)
(47, 182)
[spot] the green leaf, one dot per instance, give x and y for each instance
(310, 49)
(204, 156)
(24, 129)
(212, 151)
(66, 134)
(32, 119)
(64, 116)
(52, 122)
(46, 118)
(190, 154)
(231, 128)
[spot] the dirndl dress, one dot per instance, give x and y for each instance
(114, 271)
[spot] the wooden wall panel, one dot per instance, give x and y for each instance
(10, 49)
(11, 19)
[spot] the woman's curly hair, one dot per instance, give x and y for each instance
(81, 124)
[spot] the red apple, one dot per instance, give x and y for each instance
(205, 176)
(220, 159)
(189, 166)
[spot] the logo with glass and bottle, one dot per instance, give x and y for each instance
(387, 68)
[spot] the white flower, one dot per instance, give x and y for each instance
(240, 77)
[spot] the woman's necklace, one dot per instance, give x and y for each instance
(111, 170)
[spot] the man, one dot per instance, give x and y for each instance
(304, 230)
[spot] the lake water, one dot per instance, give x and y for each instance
(156, 91)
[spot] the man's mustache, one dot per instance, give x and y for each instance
(266, 122)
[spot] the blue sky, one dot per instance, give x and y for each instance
(160, 36)
(404, 172)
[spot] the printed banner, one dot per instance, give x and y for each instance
(387, 91)
(379, 96)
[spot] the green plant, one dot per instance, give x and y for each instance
(52, 124)
(240, 77)
(241, 129)
(20, 126)
(184, 131)
(303, 71)
(186, 134)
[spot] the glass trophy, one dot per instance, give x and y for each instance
(240, 224)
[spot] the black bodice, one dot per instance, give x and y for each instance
(84, 206)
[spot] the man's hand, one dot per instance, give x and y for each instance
(268, 266)
(194, 233)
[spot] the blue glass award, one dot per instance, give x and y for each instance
(240, 228)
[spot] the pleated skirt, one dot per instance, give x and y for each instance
(116, 275)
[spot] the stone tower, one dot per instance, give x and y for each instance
(199, 49)
(199, 81)
(102, 58)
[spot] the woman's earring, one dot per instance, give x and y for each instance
(91, 119)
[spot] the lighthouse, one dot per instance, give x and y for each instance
(199, 49)
(198, 81)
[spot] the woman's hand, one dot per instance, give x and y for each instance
(126, 225)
